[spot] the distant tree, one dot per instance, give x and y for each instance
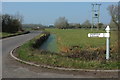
(113, 25)
(71, 25)
(32, 25)
(115, 14)
(19, 17)
(77, 25)
(74, 25)
(61, 23)
(100, 25)
(86, 24)
(51, 26)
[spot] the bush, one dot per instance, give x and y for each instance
(92, 53)
(10, 24)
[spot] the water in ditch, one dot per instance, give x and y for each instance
(50, 44)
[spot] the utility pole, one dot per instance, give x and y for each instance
(95, 15)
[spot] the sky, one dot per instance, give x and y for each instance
(46, 13)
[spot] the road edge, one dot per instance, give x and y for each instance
(15, 35)
(57, 68)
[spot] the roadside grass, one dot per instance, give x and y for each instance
(8, 34)
(0, 34)
(4, 34)
(28, 53)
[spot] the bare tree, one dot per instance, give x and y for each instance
(114, 12)
(19, 17)
(86, 24)
(61, 23)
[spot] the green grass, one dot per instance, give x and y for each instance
(6, 34)
(27, 28)
(28, 53)
(0, 34)
(78, 37)
(3, 34)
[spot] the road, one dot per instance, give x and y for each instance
(14, 69)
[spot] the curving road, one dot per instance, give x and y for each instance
(14, 69)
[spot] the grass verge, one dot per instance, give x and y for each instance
(5, 35)
(28, 53)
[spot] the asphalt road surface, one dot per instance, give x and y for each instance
(14, 69)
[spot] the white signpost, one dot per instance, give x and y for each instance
(107, 35)
(98, 35)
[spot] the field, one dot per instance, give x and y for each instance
(68, 38)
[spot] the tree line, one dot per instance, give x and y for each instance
(11, 23)
(114, 11)
(62, 23)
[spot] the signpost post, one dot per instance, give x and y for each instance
(107, 43)
(107, 35)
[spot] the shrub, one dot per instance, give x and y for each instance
(92, 53)
(10, 24)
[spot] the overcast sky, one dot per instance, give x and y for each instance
(47, 12)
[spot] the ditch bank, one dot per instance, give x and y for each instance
(40, 40)
(50, 44)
